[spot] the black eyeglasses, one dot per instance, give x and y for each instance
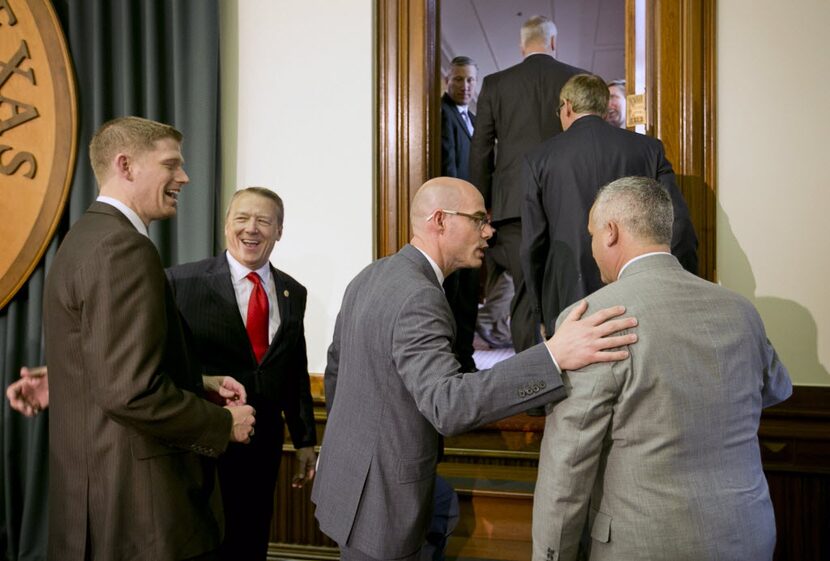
(480, 218)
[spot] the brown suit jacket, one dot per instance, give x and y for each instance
(131, 474)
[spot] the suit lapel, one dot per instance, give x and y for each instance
(284, 305)
(219, 283)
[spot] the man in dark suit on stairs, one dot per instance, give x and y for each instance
(565, 173)
(457, 122)
(516, 111)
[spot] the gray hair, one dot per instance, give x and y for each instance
(538, 29)
(640, 204)
(262, 192)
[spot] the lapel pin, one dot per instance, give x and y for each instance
(285, 293)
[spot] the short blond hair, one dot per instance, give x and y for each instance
(133, 135)
(587, 94)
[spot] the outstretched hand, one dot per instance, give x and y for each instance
(30, 394)
(580, 342)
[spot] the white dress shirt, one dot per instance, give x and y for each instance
(242, 287)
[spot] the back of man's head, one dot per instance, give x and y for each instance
(537, 32)
(133, 135)
(587, 94)
(640, 205)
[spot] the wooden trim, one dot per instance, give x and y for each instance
(407, 108)
(681, 78)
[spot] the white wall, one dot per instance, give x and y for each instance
(773, 134)
(297, 108)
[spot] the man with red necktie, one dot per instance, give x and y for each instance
(246, 318)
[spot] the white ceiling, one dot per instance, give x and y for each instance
(591, 33)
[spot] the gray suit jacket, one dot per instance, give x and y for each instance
(130, 473)
(397, 387)
(659, 453)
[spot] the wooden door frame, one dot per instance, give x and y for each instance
(680, 86)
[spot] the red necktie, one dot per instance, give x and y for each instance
(257, 325)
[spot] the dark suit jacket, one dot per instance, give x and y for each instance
(566, 172)
(392, 385)
(455, 140)
(130, 476)
(205, 296)
(517, 108)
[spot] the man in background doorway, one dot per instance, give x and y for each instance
(565, 173)
(616, 104)
(516, 111)
(457, 122)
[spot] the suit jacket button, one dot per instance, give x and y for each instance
(542, 384)
(521, 393)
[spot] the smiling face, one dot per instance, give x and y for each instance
(252, 229)
(158, 176)
(616, 106)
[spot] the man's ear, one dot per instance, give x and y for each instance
(123, 166)
(612, 233)
(552, 43)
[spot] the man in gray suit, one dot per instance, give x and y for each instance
(398, 384)
(658, 454)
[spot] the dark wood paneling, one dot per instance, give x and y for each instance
(680, 90)
(494, 468)
(408, 135)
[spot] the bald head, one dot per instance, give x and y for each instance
(449, 223)
(438, 193)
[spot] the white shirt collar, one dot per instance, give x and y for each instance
(432, 264)
(126, 211)
(240, 271)
(463, 108)
(640, 257)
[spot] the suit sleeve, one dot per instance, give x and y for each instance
(535, 242)
(483, 146)
(684, 239)
(332, 366)
(575, 432)
(125, 320)
(452, 401)
(777, 383)
(449, 162)
(296, 399)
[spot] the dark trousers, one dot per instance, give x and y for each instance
(461, 288)
(504, 255)
(248, 478)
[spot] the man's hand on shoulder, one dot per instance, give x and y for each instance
(580, 342)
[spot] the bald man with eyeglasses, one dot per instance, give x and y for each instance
(393, 385)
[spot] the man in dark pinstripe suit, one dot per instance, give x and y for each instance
(213, 296)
